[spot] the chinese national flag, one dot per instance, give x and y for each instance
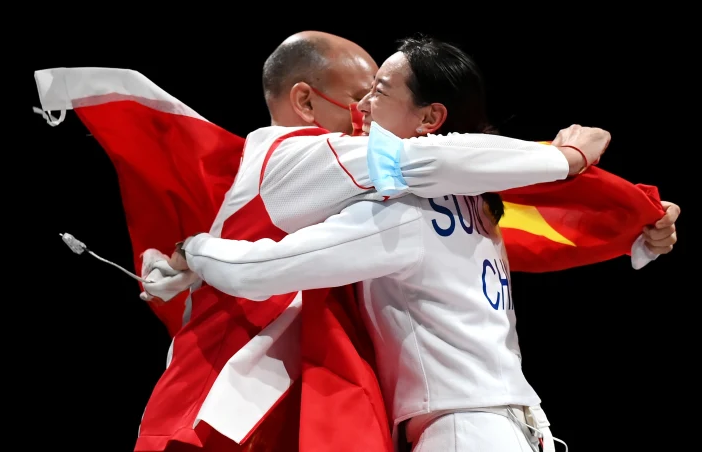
(174, 168)
(583, 220)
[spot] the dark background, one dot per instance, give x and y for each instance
(600, 344)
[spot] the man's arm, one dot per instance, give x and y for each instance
(366, 240)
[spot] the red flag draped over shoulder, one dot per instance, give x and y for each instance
(174, 168)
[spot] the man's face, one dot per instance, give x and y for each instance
(390, 102)
(349, 78)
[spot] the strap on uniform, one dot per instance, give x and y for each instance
(536, 418)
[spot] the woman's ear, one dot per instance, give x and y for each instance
(433, 117)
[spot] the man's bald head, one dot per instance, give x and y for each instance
(306, 57)
(339, 68)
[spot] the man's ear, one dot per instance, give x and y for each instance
(301, 101)
(433, 117)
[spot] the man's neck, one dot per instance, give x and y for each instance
(286, 118)
(274, 122)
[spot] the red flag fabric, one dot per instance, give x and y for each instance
(174, 168)
(584, 220)
(173, 171)
(333, 339)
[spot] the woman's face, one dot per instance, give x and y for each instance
(389, 103)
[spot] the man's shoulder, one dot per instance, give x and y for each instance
(280, 131)
(267, 133)
(273, 130)
(294, 137)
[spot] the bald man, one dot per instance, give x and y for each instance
(311, 79)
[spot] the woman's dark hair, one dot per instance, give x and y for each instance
(443, 73)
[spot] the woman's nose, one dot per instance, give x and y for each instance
(364, 104)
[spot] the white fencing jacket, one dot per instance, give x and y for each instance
(436, 294)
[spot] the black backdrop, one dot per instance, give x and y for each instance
(592, 338)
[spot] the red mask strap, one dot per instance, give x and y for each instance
(356, 115)
(328, 99)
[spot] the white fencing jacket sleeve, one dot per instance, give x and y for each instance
(429, 166)
(366, 240)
